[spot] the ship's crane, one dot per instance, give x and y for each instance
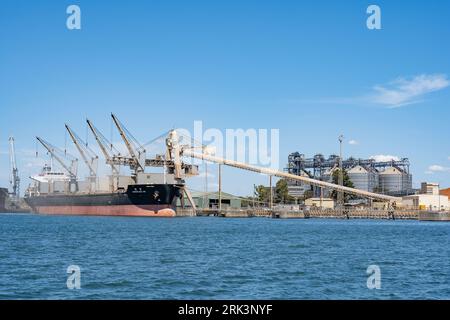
(110, 153)
(186, 151)
(14, 179)
(104, 145)
(58, 155)
(90, 158)
(137, 152)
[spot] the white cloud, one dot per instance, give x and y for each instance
(403, 91)
(353, 142)
(394, 94)
(384, 158)
(438, 168)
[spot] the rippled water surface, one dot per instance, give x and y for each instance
(216, 258)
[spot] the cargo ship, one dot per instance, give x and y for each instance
(51, 195)
(139, 194)
(147, 200)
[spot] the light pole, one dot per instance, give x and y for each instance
(439, 196)
(341, 173)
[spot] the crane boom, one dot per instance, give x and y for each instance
(89, 156)
(271, 172)
(101, 141)
(14, 174)
(72, 171)
(137, 156)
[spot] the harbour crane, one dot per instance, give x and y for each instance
(186, 151)
(58, 155)
(90, 158)
(14, 179)
(136, 151)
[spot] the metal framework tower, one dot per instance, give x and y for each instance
(340, 196)
(14, 179)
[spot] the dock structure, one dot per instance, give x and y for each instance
(434, 216)
(368, 214)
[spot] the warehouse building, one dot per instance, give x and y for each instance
(445, 192)
(210, 200)
(428, 199)
(323, 203)
(426, 202)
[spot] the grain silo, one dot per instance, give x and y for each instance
(364, 178)
(395, 181)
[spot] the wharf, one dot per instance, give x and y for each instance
(324, 214)
(434, 216)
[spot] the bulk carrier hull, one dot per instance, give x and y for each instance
(148, 200)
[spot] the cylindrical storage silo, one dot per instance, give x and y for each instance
(392, 181)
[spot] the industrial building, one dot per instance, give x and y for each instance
(210, 200)
(427, 202)
(445, 192)
(429, 198)
(323, 203)
(386, 177)
(429, 188)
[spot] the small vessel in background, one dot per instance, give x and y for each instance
(3, 197)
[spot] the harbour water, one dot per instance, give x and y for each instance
(217, 258)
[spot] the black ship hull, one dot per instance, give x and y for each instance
(148, 200)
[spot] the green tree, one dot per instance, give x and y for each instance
(262, 193)
(308, 194)
(347, 183)
(282, 192)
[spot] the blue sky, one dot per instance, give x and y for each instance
(312, 70)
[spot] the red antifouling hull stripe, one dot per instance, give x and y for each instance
(122, 210)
